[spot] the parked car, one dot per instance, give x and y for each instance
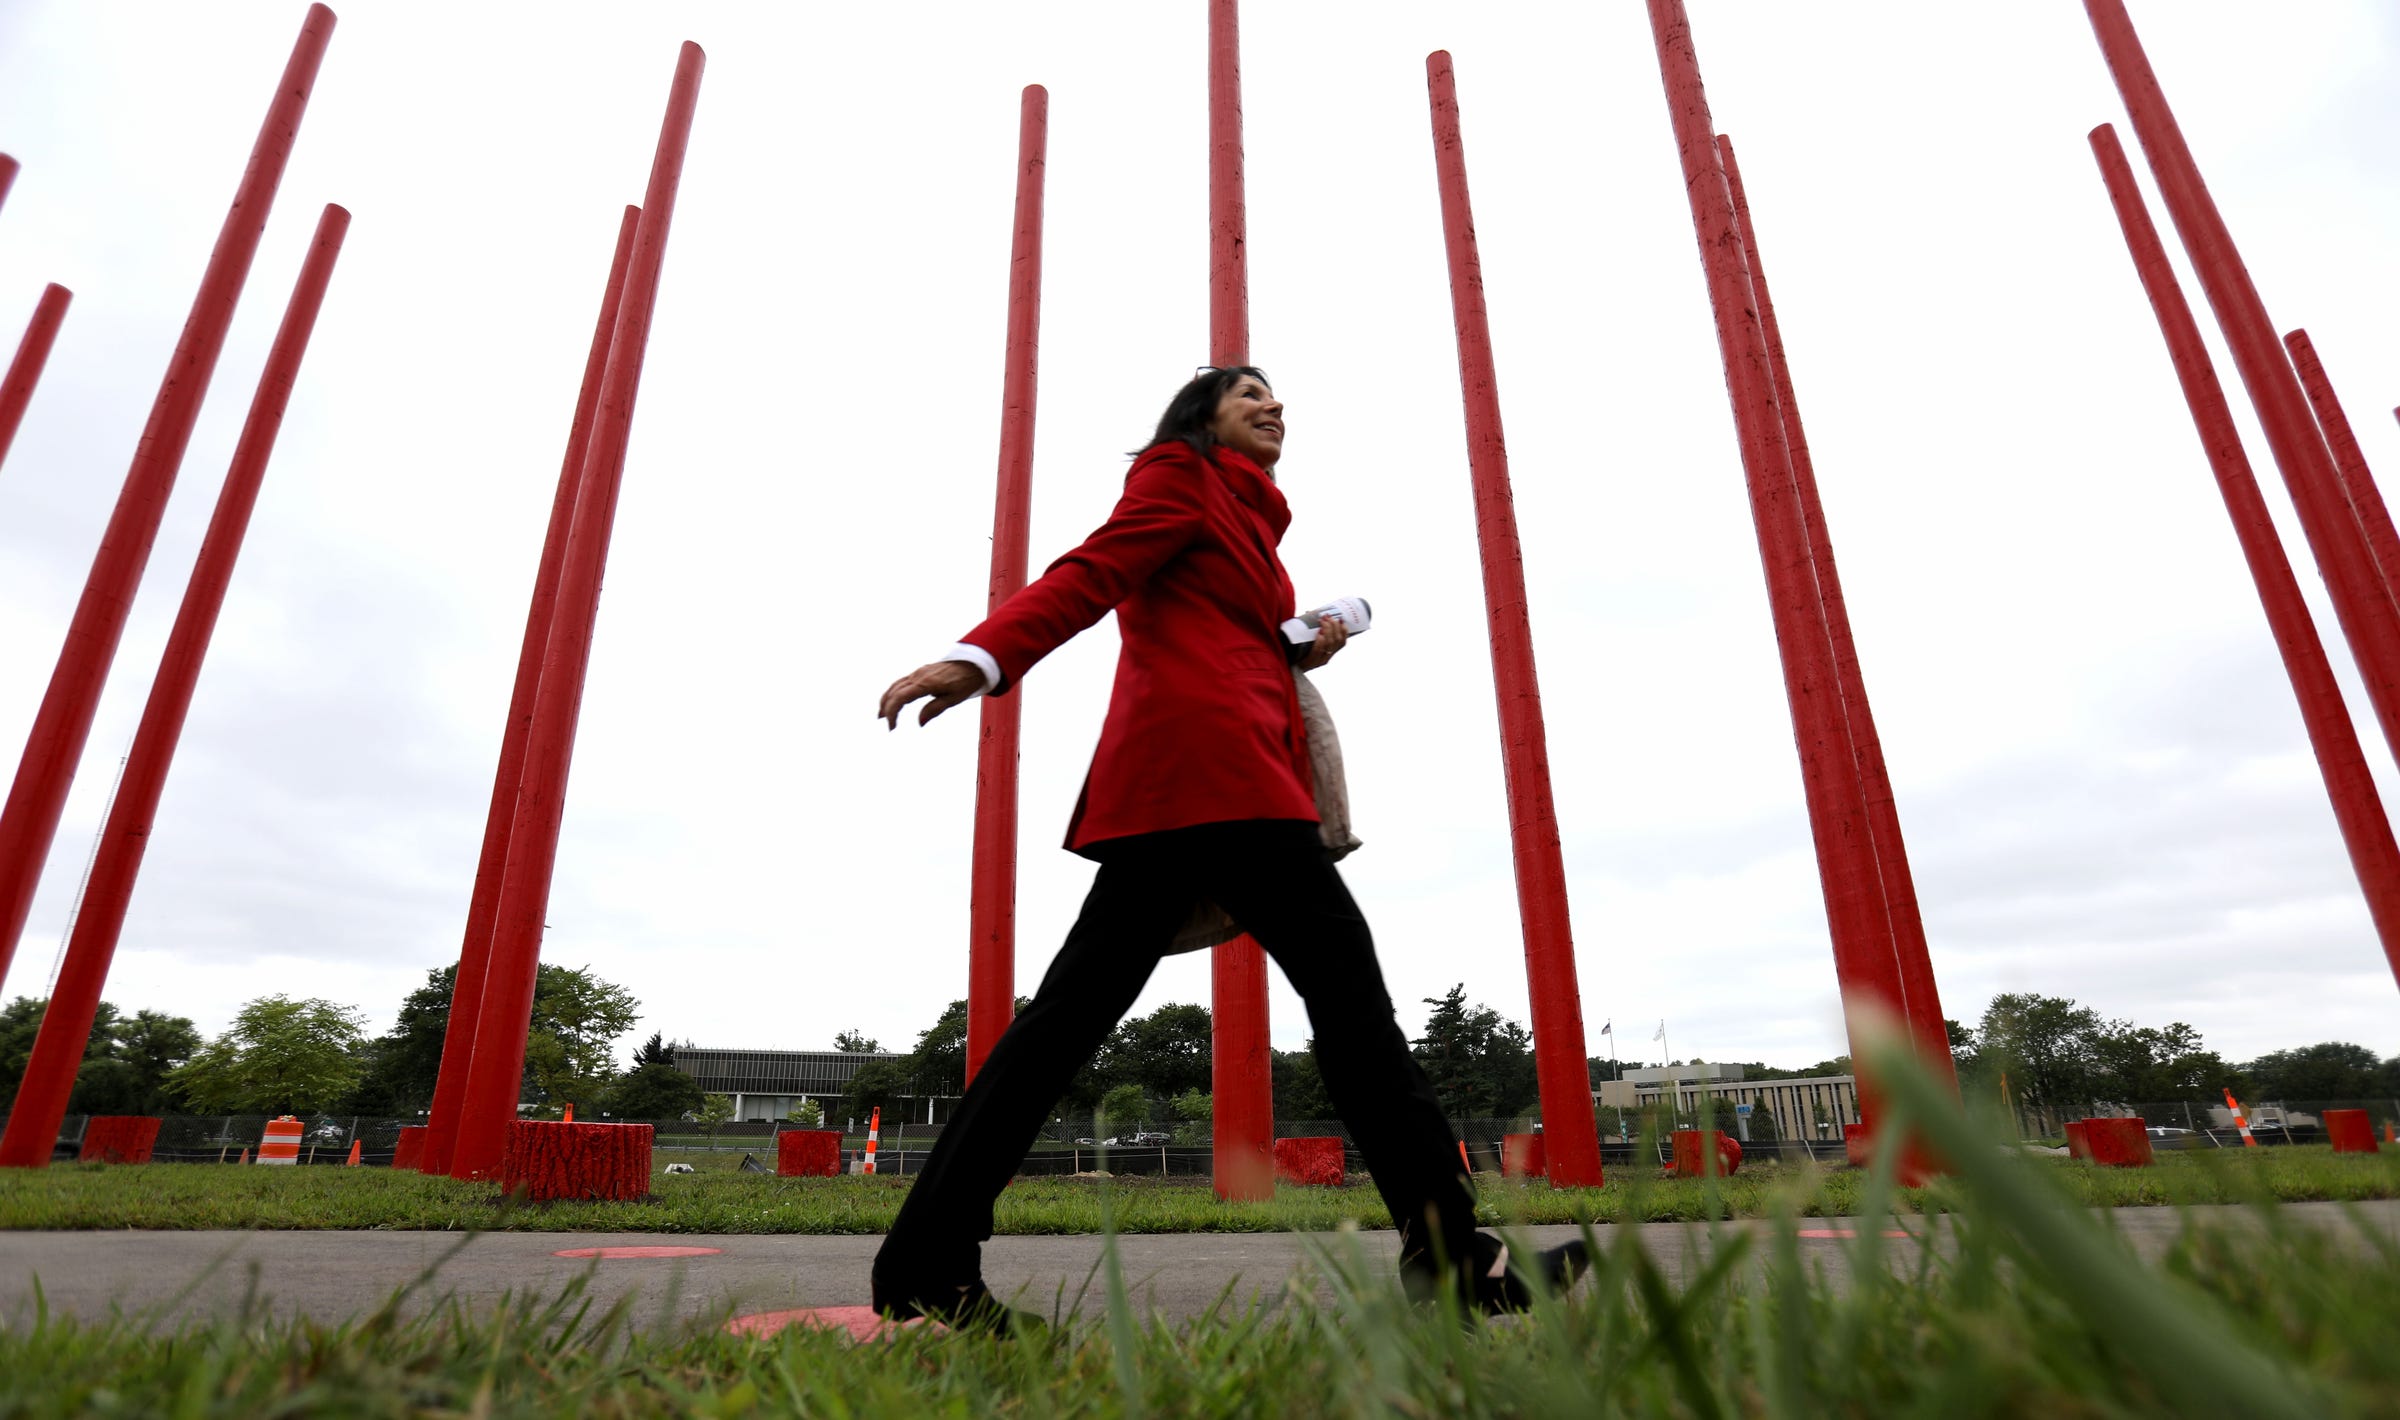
(1149, 1139)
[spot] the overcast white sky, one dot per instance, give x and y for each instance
(2104, 781)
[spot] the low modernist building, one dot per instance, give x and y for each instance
(770, 1084)
(1811, 1107)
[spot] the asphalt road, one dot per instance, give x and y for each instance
(167, 1277)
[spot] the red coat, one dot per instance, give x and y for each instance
(1204, 723)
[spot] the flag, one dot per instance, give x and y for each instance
(1662, 1030)
(1608, 1028)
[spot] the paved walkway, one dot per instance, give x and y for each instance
(330, 1276)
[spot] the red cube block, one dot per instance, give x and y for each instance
(808, 1153)
(2119, 1142)
(1311, 1161)
(409, 1153)
(2079, 1143)
(1691, 1146)
(1521, 1156)
(2348, 1130)
(551, 1160)
(128, 1139)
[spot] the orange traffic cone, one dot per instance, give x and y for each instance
(354, 1153)
(570, 1119)
(245, 1153)
(1462, 1157)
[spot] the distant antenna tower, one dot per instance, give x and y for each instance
(85, 883)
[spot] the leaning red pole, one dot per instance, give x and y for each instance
(992, 898)
(2368, 619)
(2357, 808)
(41, 1102)
(33, 352)
(1571, 1151)
(1854, 904)
(8, 177)
(483, 903)
(489, 1102)
(2349, 464)
(39, 793)
(1921, 1002)
(1241, 1073)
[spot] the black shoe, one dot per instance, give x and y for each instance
(968, 1306)
(1501, 1287)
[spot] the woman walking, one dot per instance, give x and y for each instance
(1199, 792)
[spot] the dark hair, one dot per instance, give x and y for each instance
(1193, 410)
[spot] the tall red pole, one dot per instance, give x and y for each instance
(1921, 1002)
(8, 177)
(2368, 619)
(2357, 808)
(489, 1101)
(1241, 1072)
(2358, 482)
(39, 793)
(992, 902)
(67, 1021)
(483, 904)
(33, 352)
(1863, 959)
(1571, 1151)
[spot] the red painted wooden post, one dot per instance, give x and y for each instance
(552, 1160)
(1241, 1075)
(1855, 911)
(33, 352)
(1318, 1162)
(1572, 1151)
(2357, 808)
(2368, 619)
(67, 1021)
(2349, 464)
(489, 1104)
(1921, 1001)
(992, 901)
(64, 722)
(483, 904)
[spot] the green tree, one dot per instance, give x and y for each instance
(2048, 1046)
(654, 1051)
(854, 1042)
(879, 1084)
(1481, 1064)
(404, 1062)
(807, 1114)
(939, 1063)
(714, 1111)
(2331, 1070)
(125, 1060)
(1126, 1104)
(653, 1091)
(1165, 1053)
(1299, 1088)
(280, 1056)
(570, 1051)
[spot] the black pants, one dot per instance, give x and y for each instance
(1277, 881)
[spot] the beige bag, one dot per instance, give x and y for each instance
(1211, 925)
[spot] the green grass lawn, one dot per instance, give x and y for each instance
(721, 1201)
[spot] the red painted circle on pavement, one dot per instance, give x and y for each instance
(616, 1252)
(1849, 1233)
(863, 1323)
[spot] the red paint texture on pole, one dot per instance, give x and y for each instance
(1855, 912)
(64, 722)
(8, 177)
(1241, 1076)
(1921, 1002)
(489, 1104)
(483, 904)
(2368, 620)
(67, 1021)
(2349, 464)
(33, 352)
(2357, 808)
(1572, 1151)
(992, 901)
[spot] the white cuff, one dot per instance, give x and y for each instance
(977, 657)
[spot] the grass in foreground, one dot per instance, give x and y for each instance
(2031, 1307)
(212, 1196)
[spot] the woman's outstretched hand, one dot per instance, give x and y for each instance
(1331, 633)
(948, 682)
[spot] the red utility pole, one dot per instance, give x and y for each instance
(483, 904)
(992, 901)
(64, 722)
(497, 1070)
(1860, 924)
(1921, 1002)
(2358, 483)
(41, 1102)
(2365, 611)
(1241, 1073)
(2357, 808)
(1571, 1151)
(33, 352)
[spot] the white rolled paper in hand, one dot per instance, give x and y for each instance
(1352, 612)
